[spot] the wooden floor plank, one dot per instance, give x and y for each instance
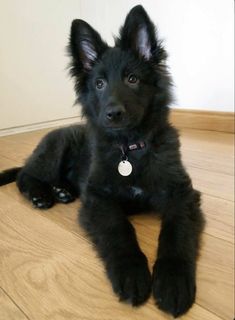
(8, 309)
(212, 183)
(219, 217)
(208, 161)
(207, 140)
(216, 277)
(30, 138)
(15, 151)
(6, 163)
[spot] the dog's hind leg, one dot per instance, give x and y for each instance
(40, 179)
(38, 192)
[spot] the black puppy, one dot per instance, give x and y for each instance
(124, 160)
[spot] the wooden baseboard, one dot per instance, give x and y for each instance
(180, 118)
(203, 120)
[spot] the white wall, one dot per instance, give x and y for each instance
(199, 37)
(34, 86)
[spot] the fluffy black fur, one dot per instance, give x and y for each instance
(125, 93)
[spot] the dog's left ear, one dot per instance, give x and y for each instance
(139, 35)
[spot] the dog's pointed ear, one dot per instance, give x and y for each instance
(139, 35)
(85, 45)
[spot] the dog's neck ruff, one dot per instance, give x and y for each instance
(125, 167)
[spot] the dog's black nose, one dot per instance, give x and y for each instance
(115, 113)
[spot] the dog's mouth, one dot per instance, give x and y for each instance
(121, 126)
(115, 128)
(121, 129)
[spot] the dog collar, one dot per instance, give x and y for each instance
(124, 166)
(132, 147)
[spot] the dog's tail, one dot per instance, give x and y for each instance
(9, 175)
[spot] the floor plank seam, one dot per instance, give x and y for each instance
(11, 159)
(17, 306)
(215, 196)
(215, 237)
(214, 313)
(209, 170)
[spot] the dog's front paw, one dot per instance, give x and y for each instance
(174, 285)
(131, 279)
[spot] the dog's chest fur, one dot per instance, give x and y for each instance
(137, 186)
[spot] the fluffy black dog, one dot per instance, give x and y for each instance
(124, 160)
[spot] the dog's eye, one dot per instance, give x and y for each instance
(99, 83)
(132, 78)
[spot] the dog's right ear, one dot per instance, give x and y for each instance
(85, 46)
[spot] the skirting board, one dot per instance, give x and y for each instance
(180, 118)
(203, 120)
(41, 125)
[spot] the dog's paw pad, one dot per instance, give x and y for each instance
(62, 195)
(42, 203)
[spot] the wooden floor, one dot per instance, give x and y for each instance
(48, 269)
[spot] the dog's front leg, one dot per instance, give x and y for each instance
(115, 239)
(174, 271)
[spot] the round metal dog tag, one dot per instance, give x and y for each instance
(125, 168)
